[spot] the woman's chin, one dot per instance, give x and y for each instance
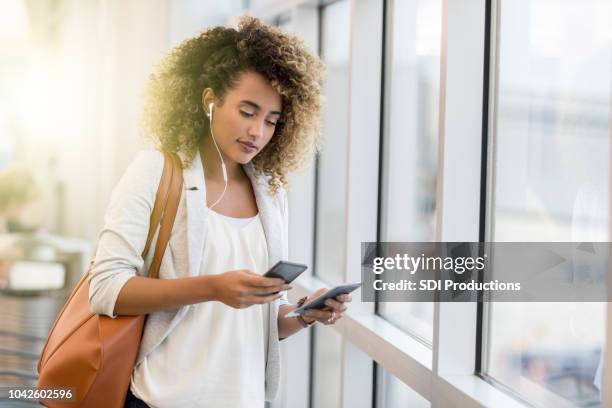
(243, 158)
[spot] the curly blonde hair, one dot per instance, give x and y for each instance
(173, 114)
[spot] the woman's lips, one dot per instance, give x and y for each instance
(247, 147)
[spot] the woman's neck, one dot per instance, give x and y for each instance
(212, 162)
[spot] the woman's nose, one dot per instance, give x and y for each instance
(257, 128)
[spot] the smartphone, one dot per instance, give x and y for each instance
(287, 271)
(319, 302)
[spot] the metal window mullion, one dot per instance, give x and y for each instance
(459, 182)
(362, 177)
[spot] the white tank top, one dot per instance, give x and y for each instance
(216, 356)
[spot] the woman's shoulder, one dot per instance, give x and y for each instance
(142, 176)
(147, 165)
(148, 160)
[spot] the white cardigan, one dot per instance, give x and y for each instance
(122, 240)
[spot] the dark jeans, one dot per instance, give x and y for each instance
(132, 402)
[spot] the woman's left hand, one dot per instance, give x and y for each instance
(332, 312)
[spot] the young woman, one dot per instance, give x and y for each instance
(241, 108)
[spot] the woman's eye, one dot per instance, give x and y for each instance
(250, 115)
(247, 114)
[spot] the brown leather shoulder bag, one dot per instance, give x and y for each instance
(93, 355)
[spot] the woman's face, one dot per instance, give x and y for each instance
(245, 122)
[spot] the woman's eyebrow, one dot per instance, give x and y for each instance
(256, 106)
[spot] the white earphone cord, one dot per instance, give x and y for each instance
(210, 110)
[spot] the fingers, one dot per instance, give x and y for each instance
(318, 293)
(261, 281)
(268, 290)
(338, 307)
(318, 314)
(323, 316)
(333, 311)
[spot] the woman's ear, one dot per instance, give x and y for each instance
(208, 97)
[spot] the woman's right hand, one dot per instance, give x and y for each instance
(243, 288)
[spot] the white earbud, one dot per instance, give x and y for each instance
(224, 170)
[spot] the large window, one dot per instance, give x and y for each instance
(551, 172)
(545, 173)
(411, 141)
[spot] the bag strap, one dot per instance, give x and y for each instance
(164, 210)
(160, 202)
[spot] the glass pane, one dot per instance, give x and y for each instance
(396, 394)
(327, 370)
(551, 184)
(331, 182)
(411, 142)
